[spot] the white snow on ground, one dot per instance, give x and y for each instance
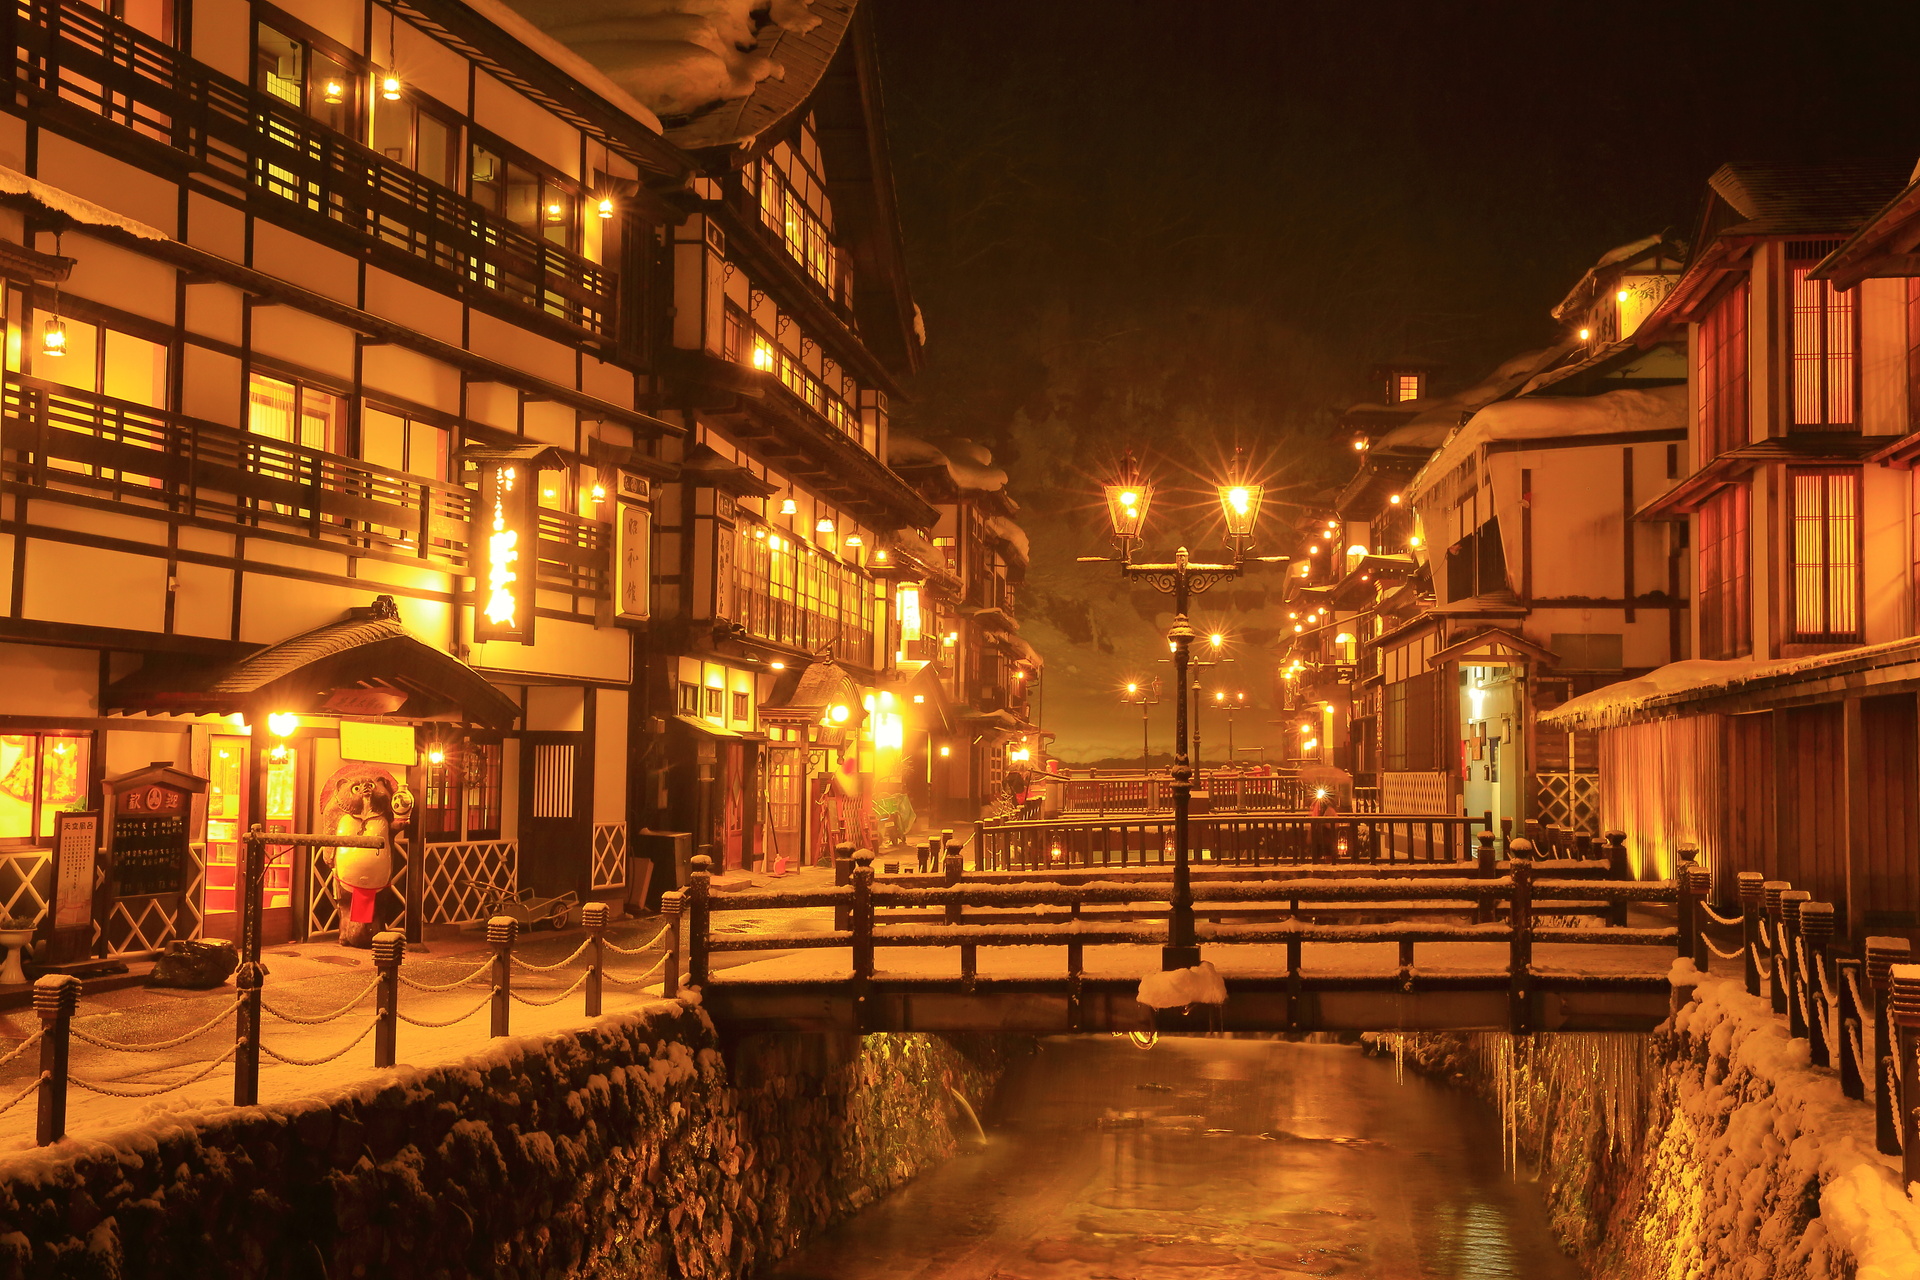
(1765, 1131)
(1178, 988)
(1552, 418)
(15, 183)
(1614, 704)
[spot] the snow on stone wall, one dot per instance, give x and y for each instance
(1723, 1154)
(627, 1148)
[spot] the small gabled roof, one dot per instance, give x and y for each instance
(1827, 199)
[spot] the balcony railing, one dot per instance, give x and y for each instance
(791, 623)
(58, 438)
(78, 55)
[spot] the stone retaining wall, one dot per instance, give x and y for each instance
(1710, 1148)
(627, 1149)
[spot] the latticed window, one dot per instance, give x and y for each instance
(1825, 333)
(1406, 386)
(463, 790)
(1720, 368)
(1726, 626)
(1826, 556)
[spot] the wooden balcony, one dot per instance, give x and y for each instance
(67, 52)
(58, 440)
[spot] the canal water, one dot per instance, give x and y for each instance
(1203, 1159)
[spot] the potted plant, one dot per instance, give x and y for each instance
(16, 935)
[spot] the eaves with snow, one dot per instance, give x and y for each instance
(715, 72)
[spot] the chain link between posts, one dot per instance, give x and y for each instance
(448, 986)
(434, 1026)
(558, 964)
(316, 1020)
(22, 1047)
(317, 1062)
(577, 983)
(157, 1045)
(111, 1092)
(1730, 922)
(643, 948)
(25, 1093)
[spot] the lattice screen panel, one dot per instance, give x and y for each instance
(609, 855)
(1570, 800)
(463, 876)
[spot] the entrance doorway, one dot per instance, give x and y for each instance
(556, 828)
(230, 802)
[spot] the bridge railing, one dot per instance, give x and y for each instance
(961, 915)
(1241, 839)
(1103, 792)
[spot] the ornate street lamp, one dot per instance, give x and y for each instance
(1182, 578)
(1144, 696)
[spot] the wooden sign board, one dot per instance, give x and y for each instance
(76, 853)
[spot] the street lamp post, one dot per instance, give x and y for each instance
(1230, 705)
(1145, 697)
(1182, 578)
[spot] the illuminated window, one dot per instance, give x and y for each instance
(305, 73)
(41, 774)
(714, 700)
(689, 699)
(1826, 556)
(399, 443)
(462, 800)
(1825, 336)
(1725, 584)
(742, 708)
(1406, 386)
(538, 201)
(295, 413)
(1720, 373)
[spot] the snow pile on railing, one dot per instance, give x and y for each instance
(1764, 1158)
(1178, 988)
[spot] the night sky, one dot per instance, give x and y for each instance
(1192, 225)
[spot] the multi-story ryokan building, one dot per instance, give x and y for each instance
(1789, 744)
(391, 398)
(1432, 622)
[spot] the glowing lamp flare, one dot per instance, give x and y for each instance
(390, 88)
(1240, 507)
(1127, 505)
(282, 723)
(53, 339)
(604, 208)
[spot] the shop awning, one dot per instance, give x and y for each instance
(367, 664)
(810, 696)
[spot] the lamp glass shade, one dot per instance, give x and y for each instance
(1240, 506)
(1127, 507)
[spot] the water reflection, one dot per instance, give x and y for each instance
(1203, 1160)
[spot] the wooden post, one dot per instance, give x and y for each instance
(251, 975)
(1075, 958)
(1506, 837)
(1294, 985)
(1486, 868)
(501, 931)
(1689, 897)
(842, 877)
(594, 916)
(56, 997)
(1882, 955)
(1618, 868)
(1520, 954)
(699, 915)
(862, 915)
(1771, 890)
(1903, 1009)
(1849, 974)
(1790, 903)
(670, 904)
(1816, 931)
(1406, 964)
(1702, 882)
(389, 951)
(1751, 904)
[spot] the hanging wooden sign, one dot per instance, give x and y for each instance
(506, 551)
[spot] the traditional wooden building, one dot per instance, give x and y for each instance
(1431, 623)
(972, 677)
(394, 396)
(1788, 745)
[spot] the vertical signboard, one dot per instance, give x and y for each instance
(505, 551)
(69, 919)
(633, 560)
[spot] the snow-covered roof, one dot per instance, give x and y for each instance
(14, 183)
(1667, 688)
(1578, 296)
(1555, 418)
(590, 77)
(1013, 535)
(689, 60)
(968, 465)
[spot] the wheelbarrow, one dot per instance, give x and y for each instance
(524, 905)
